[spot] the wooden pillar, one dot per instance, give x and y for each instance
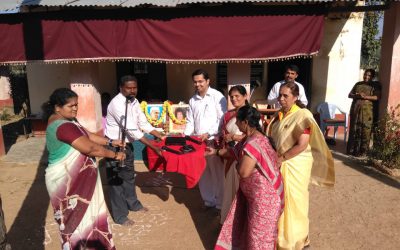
(84, 81)
(389, 73)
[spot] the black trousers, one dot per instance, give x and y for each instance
(122, 192)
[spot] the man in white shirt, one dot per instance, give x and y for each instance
(123, 196)
(206, 108)
(291, 73)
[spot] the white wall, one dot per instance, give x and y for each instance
(43, 79)
(337, 66)
(5, 88)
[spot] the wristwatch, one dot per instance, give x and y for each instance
(109, 143)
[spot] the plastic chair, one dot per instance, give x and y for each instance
(327, 112)
(266, 111)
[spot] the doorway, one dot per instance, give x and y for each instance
(152, 79)
(276, 72)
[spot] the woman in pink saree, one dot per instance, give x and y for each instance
(253, 217)
(72, 176)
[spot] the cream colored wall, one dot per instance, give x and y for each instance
(43, 79)
(179, 79)
(337, 66)
(87, 79)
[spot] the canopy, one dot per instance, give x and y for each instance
(183, 39)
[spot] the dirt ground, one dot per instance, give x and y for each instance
(361, 212)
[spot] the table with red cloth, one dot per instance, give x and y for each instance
(191, 165)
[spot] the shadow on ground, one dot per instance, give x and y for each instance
(361, 165)
(13, 130)
(364, 167)
(28, 229)
(173, 184)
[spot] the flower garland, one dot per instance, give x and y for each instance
(157, 122)
(166, 107)
(173, 117)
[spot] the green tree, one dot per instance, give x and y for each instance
(371, 43)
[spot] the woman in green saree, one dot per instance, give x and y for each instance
(365, 95)
(72, 177)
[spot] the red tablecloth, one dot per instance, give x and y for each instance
(191, 165)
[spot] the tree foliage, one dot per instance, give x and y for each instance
(371, 43)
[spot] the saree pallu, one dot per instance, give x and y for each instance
(252, 219)
(314, 164)
(293, 223)
(231, 186)
(231, 181)
(76, 195)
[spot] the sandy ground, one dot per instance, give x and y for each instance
(361, 212)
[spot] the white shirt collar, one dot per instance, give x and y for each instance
(121, 97)
(207, 93)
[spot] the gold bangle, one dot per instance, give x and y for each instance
(217, 153)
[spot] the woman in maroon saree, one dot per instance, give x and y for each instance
(72, 176)
(253, 217)
(231, 135)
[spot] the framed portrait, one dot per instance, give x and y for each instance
(180, 113)
(245, 85)
(155, 111)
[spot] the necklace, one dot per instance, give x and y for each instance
(252, 132)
